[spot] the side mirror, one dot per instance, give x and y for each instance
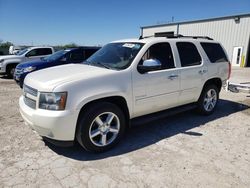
(149, 65)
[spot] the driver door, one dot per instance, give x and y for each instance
(158, 89)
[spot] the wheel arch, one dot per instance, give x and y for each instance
(214, 81)
(117, 100)
(10, 65)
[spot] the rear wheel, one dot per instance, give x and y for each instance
(100, 127)
(208, 100)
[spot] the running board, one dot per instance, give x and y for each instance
(162, 114)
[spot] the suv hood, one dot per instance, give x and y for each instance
(9, 57)
(48, 79)
(31, 63)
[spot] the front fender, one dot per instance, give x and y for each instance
(93, 98)
(11, 61)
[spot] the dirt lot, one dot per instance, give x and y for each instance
(185, 150)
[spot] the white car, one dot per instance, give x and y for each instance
(8, 63)
(93, 102)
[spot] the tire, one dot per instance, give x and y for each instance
(100, 127)
(11, 71)
(208, 100)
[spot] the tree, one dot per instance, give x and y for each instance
(70, 45)
(5, 44)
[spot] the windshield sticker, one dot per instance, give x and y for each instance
(128, 45)
(137, 46)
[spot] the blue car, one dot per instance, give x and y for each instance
(62, 57)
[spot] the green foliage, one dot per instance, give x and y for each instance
(5, 44)
(70, 45)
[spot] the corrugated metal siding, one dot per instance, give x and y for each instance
(227, 32)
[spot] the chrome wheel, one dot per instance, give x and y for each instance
(104, 129)
(210, 100)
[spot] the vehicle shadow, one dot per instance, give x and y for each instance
(5, 77)
(144, 135)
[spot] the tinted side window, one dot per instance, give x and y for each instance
(44, 51)
(188, 53)
(76, 56)
(89, 52)
(214, 52)
(32, 53)
(161, 52)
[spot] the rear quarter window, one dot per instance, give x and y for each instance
(214, 52)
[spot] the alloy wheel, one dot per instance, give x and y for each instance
(104, 129)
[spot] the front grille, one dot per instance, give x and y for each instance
(30, 96)
(30, 90)
(29, 102)
(18, 71)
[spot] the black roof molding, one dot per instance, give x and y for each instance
(179, 36)
(197, 21)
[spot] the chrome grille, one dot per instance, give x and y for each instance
(30, 90)
(29, 102)
(30, 96)
(18, 71)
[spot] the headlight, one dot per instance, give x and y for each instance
(53, 101)
(29, 69)
(1, 61)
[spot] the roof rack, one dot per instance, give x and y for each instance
(178, 36)
(198, 37)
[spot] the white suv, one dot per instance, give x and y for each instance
(8, 63)
(93, 102)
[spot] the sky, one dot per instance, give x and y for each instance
(97, 22)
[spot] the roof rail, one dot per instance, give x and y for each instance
(199, 37)
(178, 36)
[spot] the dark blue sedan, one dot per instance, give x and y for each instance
(74, 55)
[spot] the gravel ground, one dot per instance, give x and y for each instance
(185, 150)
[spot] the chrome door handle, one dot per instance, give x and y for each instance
(202, 71)
(172, 76)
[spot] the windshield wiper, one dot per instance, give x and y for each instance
(102, 64)
(86, 62)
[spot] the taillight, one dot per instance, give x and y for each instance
(229, 70)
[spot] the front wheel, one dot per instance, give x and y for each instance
(100, 127)
(11, 71)
(208, 100)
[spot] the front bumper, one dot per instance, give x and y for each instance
(19, 78)
(2, 70)
(56, 125)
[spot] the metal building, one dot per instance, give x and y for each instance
(233, 32)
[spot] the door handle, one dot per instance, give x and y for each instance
(202, 71)
(172, 76)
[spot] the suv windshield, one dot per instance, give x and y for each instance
(55, 55)
(22, 51)
(115, 55)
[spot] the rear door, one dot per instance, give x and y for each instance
(193, 72)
